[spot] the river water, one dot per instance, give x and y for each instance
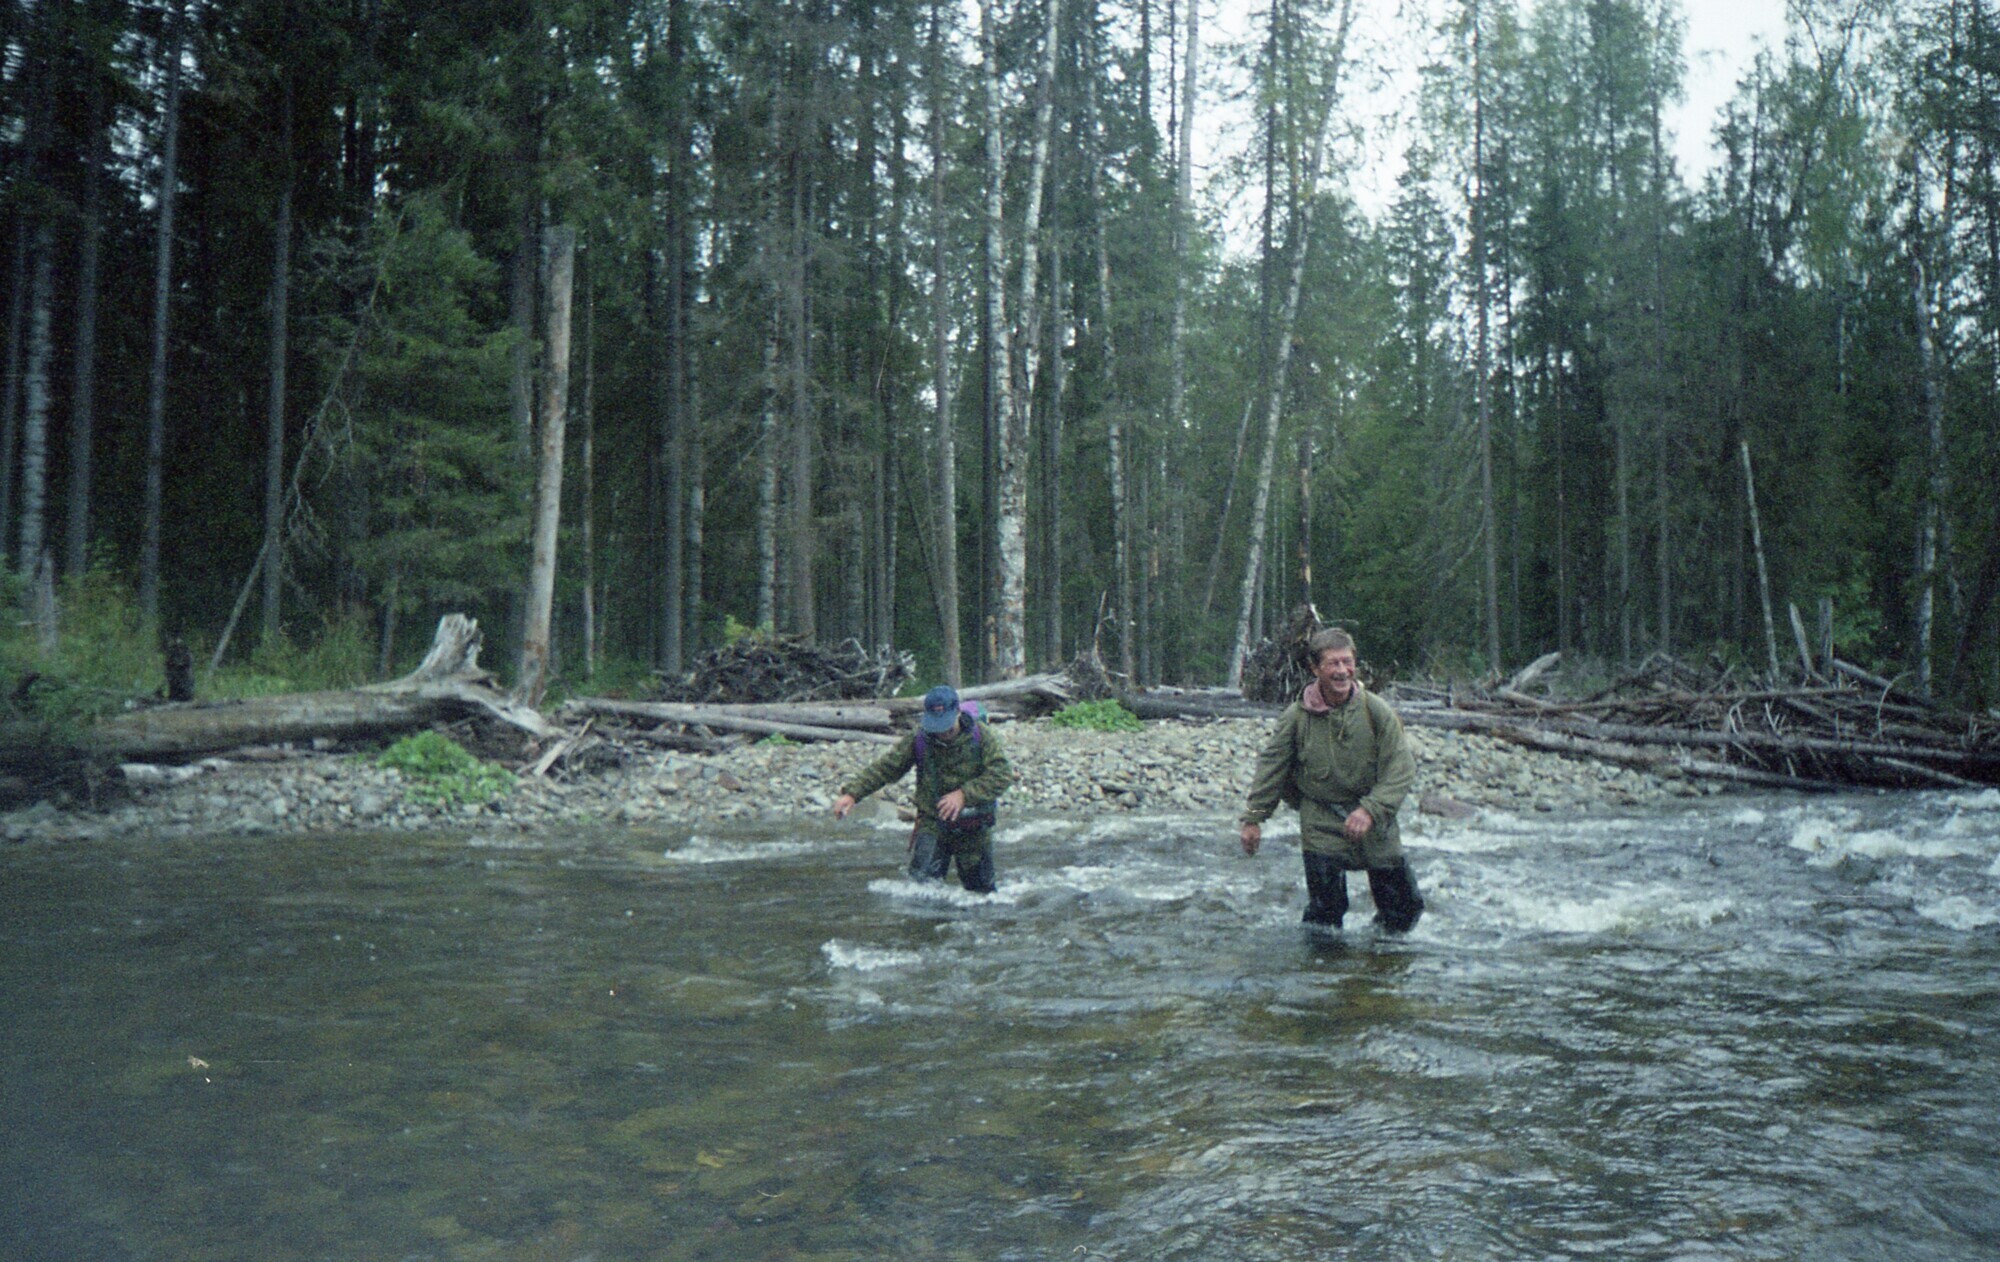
(1752, 1028)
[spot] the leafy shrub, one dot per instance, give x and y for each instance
(1098, 716)
(439, 772)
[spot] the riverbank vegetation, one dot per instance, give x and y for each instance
(619, 323)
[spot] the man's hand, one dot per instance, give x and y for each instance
(951, 804)
(842, 805)
(1252, 837)
(1359, 823)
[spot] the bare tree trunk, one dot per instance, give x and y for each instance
(163, 275)
(947, 448)
(767, 490)
(1930, 391)
(1482, 357)
(1006, 517)
(1182, 226)
(83, 391)
(803, 541)
(1052, 437)
(10, 408)
(1010, 631)
(1662, 444)
(1121, 525)
(587, 457)
(1763, 574)
(561, 250)
(697, 522)
(35, 418)
(1275, 399)
(274, 412)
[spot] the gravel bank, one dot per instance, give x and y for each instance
(1196, 767)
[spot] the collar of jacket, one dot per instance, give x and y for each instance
(1312, 703)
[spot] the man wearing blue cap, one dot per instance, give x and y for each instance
(961, 773)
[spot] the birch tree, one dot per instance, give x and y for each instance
(560, 246)
(1274, 399)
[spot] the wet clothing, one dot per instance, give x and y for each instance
(1394, 889)
(974, 761)
(933, 849)
(1327, 761)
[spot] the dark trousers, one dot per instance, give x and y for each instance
(931, 856)
(1397, 903)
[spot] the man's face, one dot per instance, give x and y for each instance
(1335, 672)
(949, 734)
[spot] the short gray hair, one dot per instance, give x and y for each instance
(1322, 642)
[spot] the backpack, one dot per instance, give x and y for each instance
(966, 710)
(1289, 792)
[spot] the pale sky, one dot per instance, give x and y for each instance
(1722, 38)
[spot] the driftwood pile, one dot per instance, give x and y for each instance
(1854, 730)
(1277, 669)
(776, 669)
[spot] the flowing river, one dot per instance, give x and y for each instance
(1753, 1028)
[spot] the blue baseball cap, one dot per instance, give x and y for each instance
(941, 709)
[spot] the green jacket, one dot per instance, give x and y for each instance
(979, 767)
(1337, 760)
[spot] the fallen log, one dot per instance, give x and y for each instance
(1222, 705)
(448, 685)
(718, 717)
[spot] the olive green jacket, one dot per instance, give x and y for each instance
(979, 767)
(1337, 760)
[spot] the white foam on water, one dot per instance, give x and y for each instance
(866, 959)
(1828, 843)
(904, 889)
(1145, 883)
(1956, 911)
(1749, 817)
(705, 850)
(481, 841)
(1985, 800)
(1623, 909)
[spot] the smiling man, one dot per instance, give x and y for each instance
(1339, 756)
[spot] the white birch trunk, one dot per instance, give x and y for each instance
(767, 492)
(1010, 543)
(561, 246)
(1931, 393)
(1288, 317)
(947, 446)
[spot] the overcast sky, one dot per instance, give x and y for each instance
(1722, 37)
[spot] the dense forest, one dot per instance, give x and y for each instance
(916, 323)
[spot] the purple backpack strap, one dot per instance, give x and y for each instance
(967, 710)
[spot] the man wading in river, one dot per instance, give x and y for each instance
(1338, 756)
(961, 773)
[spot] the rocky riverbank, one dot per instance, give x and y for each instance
(1170, 766)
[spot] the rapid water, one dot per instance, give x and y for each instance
(1753, 1028)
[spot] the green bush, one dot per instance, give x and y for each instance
(1098, 716)
(439, 772)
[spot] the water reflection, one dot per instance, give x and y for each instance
(1762, 1030)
